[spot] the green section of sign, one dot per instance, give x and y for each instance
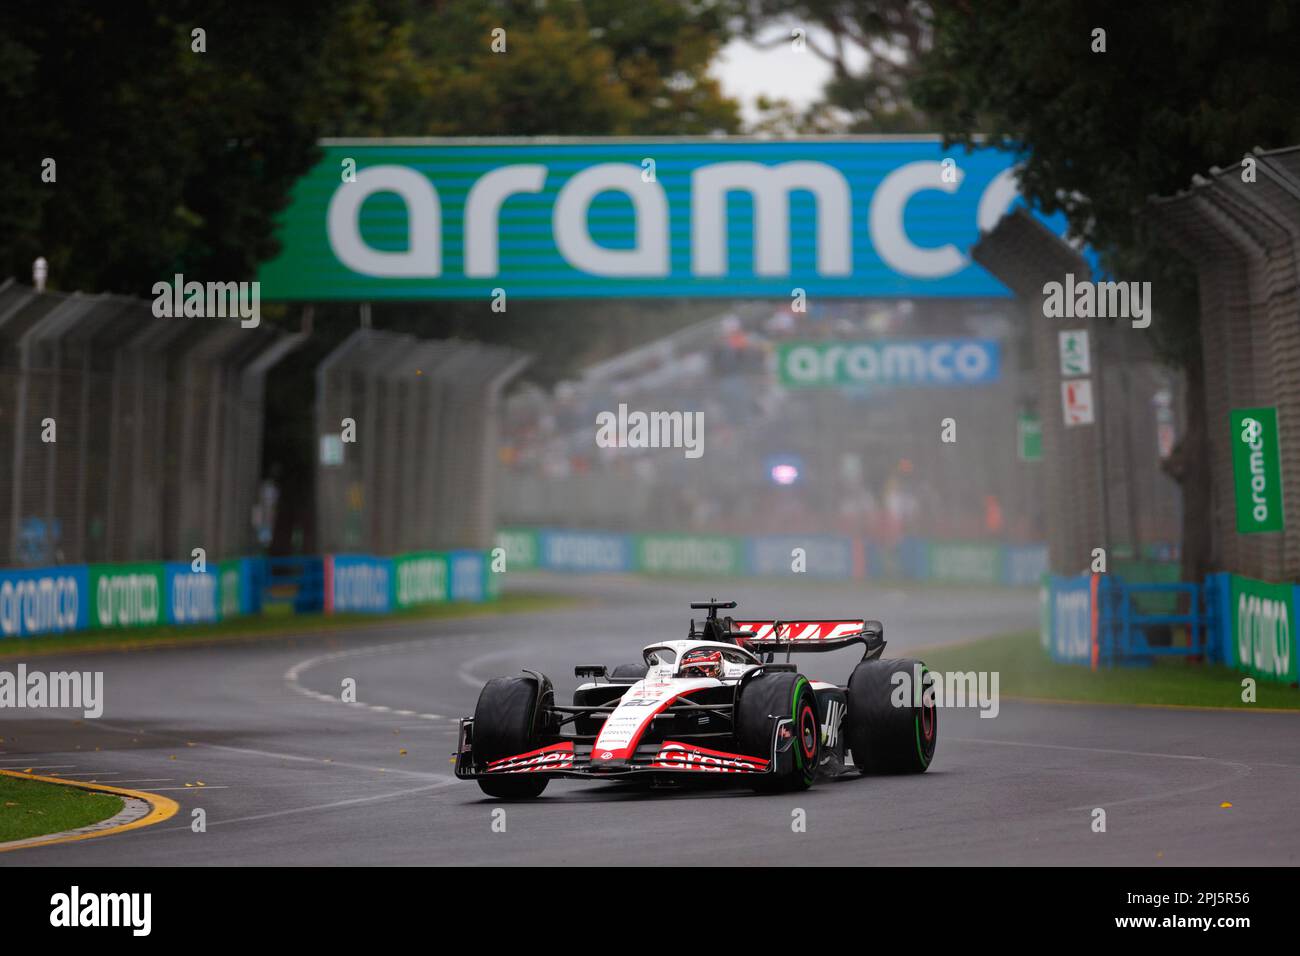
(1029, 433)
(688, 554)
(1263, 632)
(126, 595)
(1075, 359)
(521, 548)
(932, 363)
(228, 588)
(965, 562)
(1256, 470)
(419, 578)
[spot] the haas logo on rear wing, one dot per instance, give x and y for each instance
(809, 635)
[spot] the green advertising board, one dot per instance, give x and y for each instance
(1256, 470)
(1263, 636)
(889, 363)
(126, 595)
(419, 578)
(689, 554)
(966, 562)
(1029, 437)
(228, 588)
(521, 548)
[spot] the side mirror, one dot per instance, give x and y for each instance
(589, 670)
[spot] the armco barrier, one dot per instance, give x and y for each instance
(362, 583)
(964, 562)
(825, 556)
(522, 548)
(1023, 565)
(44, 600)
(77, 597)
(419, 578)
(690, 554)
(357, 583)
(468, 576)
(586, 551)
(127, 595)
(1261, 620)
(193, 597)
(1071, 618)
(1230, 619)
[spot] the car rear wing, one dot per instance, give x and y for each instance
(763, 637)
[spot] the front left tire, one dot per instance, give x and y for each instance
(763, 703)
(510, 719)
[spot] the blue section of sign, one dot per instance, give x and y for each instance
(585, 551)
(193, 597)
(361, 584)
(727, 218)
(1070, 608)
(1024, 565)
(44, 600)
(824, 556)
(467, 569)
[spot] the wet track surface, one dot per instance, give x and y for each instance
(291, 775)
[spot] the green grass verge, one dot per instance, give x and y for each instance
(31, 808)
(268, 625)
(1025, 670)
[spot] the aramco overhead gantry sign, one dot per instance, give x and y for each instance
(455, 219)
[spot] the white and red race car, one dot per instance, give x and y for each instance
(717, 702)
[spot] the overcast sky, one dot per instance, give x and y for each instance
(747, 72)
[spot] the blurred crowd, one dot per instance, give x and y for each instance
(775, 460)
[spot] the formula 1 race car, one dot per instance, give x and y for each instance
(717, 702)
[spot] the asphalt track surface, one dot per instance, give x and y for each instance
(291, 775)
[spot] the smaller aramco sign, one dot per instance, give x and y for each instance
(1256, 470)
(889, 362)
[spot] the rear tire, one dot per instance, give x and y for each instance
(885, 738)
(766, 700)
(510, 719)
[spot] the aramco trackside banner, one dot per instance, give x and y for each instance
(378, 219)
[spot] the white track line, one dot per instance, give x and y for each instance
(332, 806)
(292, 675)
(92, 773)
(1239, 769)
(40, 766)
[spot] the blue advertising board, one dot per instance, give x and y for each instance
(193, 597)
(44, 600)
(593, 217)
(358, 583)
(585, 551)
(823, 556)
(1070, 611)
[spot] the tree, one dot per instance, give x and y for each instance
(1179, 89)
(511, 68)
(871, 47)
(173, 160)
(168, 158)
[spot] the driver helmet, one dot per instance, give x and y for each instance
(701, 662)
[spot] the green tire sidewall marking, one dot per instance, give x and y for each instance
(794, 713)
(916, 722)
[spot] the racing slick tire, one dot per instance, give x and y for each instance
(632, 672)
(510, 719)
(882, 737)
(763, 702)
